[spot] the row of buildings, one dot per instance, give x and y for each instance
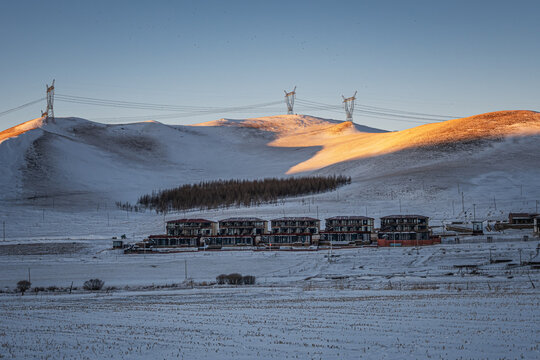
(293, 231)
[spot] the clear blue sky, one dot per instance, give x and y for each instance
(440, 57)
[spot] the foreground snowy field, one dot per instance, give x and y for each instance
(369, 302)
(274, 322)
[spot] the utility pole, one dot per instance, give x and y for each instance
(185, 269)
(400, 206)
(348, 103)
(49, 113)
(462, 203)
(453, 212)
(474, 211)
(289, 100)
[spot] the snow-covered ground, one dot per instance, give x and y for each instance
(374, 303)
(60, 182)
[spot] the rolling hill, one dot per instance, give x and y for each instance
(75, 160)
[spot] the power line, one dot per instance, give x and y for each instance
(21, 106)
(151, 106)
(180, 111)
(380, 113)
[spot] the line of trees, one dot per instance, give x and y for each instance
(226, 193)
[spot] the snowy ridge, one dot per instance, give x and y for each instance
(77, 159)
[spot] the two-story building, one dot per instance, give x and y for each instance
(293, 231)
(347, 230)
(236, 232)
(404, 230)
(184, 233)
(191, 227)
(243, 226)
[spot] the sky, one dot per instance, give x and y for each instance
(444, 58)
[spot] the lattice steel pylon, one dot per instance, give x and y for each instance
(289, 100)
(49, 113)
(348, 103)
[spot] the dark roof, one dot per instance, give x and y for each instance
(525, 215)
(350, 218)
(287, 234)
(171, 236)
(405, 217)
(227, 236)
(292, 218)
(190, 221)
(242, 219)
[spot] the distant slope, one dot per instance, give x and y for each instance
(79, 160)
(352, 145)
(21, 129)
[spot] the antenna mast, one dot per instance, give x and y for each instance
(349, 105)
(289, 100)
(49, 113)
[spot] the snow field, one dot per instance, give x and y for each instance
(273, 323)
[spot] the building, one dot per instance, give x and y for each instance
(404, 230)
(521, 219)
(295, 225)
(174, 240)
(293, 231)
(184, 233)
(477, 227)
(191, 227)
(345, 230)
(243, 226)
(221, 241)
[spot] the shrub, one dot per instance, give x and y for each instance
(221, 279)
(52, 288)
(23, 285)
(234, 279)
(248, 280)
(93, 284)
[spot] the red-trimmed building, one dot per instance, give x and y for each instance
(405, 230)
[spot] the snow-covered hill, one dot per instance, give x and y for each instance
(77, 162)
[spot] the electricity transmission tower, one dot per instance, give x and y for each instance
(349, 105)
(49, 113)
(289, 100)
